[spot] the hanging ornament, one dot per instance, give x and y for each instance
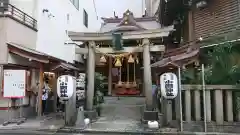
(184, 67)
(137, 61)
(130, 59)
(119, 84)
(134, 84)
(103, 59)
(118, 63)
(127, 85)
(196, 63)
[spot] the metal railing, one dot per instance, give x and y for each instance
(18, 15)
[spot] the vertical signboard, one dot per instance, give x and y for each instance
(80, 89)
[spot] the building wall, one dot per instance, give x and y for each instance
(3, 48)
(152, 6)
(221, 16)
(12, 31)
(51, 34)
(52, 30)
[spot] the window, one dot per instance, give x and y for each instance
(75, 3)
(85, 18)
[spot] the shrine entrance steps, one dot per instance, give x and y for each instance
(120, 113)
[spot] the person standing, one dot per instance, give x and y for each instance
(45, 92)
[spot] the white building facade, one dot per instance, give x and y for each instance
(152, 6)
(38, 27)
(55, 18)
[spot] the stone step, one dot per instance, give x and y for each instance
(122, 108)
(124, 100)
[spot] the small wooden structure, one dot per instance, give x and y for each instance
(36, 63)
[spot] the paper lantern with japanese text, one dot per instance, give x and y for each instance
(169, 85)
(66, 86)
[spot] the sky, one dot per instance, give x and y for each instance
(105, 8)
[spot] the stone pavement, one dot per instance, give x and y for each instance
(50, 122)
(119, 115)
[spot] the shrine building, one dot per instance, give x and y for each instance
(125, 51)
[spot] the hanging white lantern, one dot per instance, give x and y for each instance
(66, 85)
(169, 85)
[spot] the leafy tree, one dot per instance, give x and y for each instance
(222, 67)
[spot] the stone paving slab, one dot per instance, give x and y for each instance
(160, 132)
(37, 124)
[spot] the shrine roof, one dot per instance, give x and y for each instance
(129, 23)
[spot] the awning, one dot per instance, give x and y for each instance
(34, 55)
(27, 53)
(64, 66)
(178, 56)
(175, 59)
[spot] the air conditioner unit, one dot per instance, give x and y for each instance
(201, 4)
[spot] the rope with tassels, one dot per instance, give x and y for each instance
(118, 55)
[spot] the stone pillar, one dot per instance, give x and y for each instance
(147, 74)
(149, 114)
(177, 106)
(208, 106)
(238, 111)
(218, 104)
(110, 76)
(71, 109)
(90, 75)
(197, 106)
(187, 105)
(1, 78)
(167, 111)
(229, 106)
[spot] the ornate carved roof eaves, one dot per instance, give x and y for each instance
(101, 36)
(128, 20)
(118, 20)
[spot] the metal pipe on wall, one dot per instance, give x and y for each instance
(204, 99)
(180, 97)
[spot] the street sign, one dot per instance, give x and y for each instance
(14, 83)
(169, 85)
(80, 90)
(66, 85)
